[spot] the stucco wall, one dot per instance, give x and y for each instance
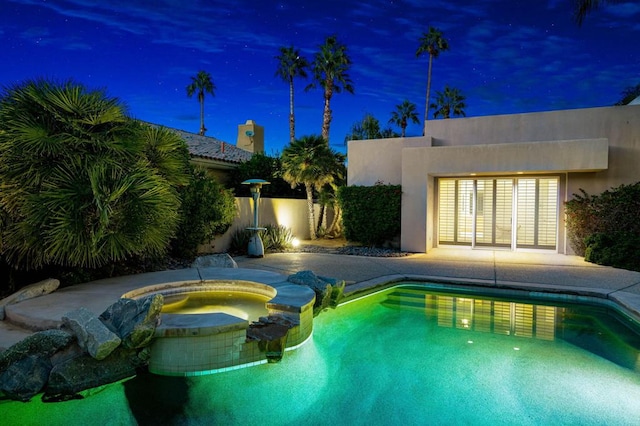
(375, 160)
(273, 211)
(594, 149)
(620, 125)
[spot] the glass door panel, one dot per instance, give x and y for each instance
(447, 211)
(482, 212)
(465, 211)
(494, 208)
(503, 212)
(537, 216)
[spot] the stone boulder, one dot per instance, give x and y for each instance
(134, 321)
(44, 343)
(26, 377)
(328, 291)
(85, 372)
(271, 334)
(29, 292)
(93, 336)
(25, 366)
(214, 260)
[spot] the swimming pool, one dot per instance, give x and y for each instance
(406, 356)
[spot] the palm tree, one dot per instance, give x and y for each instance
(202, 84)
(340, 176)
(290, 65)
(431, 43)
(367, 128)
(404, 112)
(83, 184)
(629, 94)
(449, 102)
(310, 161)
(330, 68)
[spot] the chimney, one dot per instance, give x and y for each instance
(250, 137)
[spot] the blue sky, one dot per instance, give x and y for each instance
(506, 56)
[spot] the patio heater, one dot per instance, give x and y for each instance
(255, 248)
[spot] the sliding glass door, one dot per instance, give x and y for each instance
(498, 212)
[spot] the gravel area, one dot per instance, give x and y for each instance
(349, 250)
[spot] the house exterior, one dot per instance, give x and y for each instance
(501, 181)
(216, 156)
(219, 157)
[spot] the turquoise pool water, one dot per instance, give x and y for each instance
(401, 356)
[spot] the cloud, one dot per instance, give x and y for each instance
(623, 10)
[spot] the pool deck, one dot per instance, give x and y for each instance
(538, 272)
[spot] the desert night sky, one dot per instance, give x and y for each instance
(505, 56)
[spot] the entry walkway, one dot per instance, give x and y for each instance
(495, 269)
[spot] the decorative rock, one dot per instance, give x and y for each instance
(93, 336)
(215, 260)
(271, 333)
(29, 292)
(134, 321)
(43, 343)
(310, 279)
(85, 372)
(25, 378)
(328, 290)
(25, 366)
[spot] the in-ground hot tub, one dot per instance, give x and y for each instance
(204, 324)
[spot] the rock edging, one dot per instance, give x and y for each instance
(87, 351)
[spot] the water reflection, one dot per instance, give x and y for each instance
(592, 328)
(157, 399)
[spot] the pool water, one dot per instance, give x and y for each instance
(248, 306)
(393, 358)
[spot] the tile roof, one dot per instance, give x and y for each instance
(211, 148)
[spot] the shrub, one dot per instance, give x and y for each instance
(370, 214)
(207, 210)
(619, 250)
(604, 228)
(275, 238)
(83, 184)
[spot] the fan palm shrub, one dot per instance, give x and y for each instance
(310, 161)
(81, 183)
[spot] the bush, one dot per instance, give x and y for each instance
(619, 250)
(83, 183)
(604, 228)
(207, 210)
(370, 214)
(275, 238)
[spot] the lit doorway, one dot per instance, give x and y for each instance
(515, 213)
